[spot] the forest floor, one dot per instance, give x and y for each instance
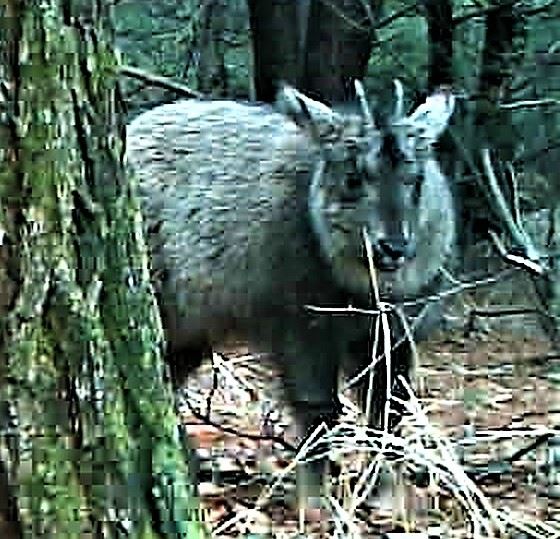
(487, 398)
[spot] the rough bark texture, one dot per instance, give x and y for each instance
(89, 439)
(274, 31)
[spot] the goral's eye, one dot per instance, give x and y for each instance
(417, 188)
(353, 180)
(352, 184)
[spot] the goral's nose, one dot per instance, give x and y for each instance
(389, 254)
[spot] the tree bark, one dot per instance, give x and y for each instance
(275, 35)
(88, 434)
(320, 47)
(338, 46)
(503, 26)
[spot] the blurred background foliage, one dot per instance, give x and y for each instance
(168, 38)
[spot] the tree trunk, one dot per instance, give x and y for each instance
(275, 36)
(489, 125)
(211, 73)
(439, 16)
(320, 47)
(503, 27)
(338, 46)
(88, 434)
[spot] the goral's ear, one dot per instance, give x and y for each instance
(432, 117)
(313, 116)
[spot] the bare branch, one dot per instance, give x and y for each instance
(533, 155)
(513, 228)
(529, 12)
(530, 103)
(513, 259)
(483, 12)
(369, 12)
(157, 80)
(348, 20)
(397, 15)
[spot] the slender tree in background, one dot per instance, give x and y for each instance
(89, 440)
(211, 69)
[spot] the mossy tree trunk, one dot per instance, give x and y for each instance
(89, 442)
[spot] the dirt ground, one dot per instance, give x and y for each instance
(489, 395)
